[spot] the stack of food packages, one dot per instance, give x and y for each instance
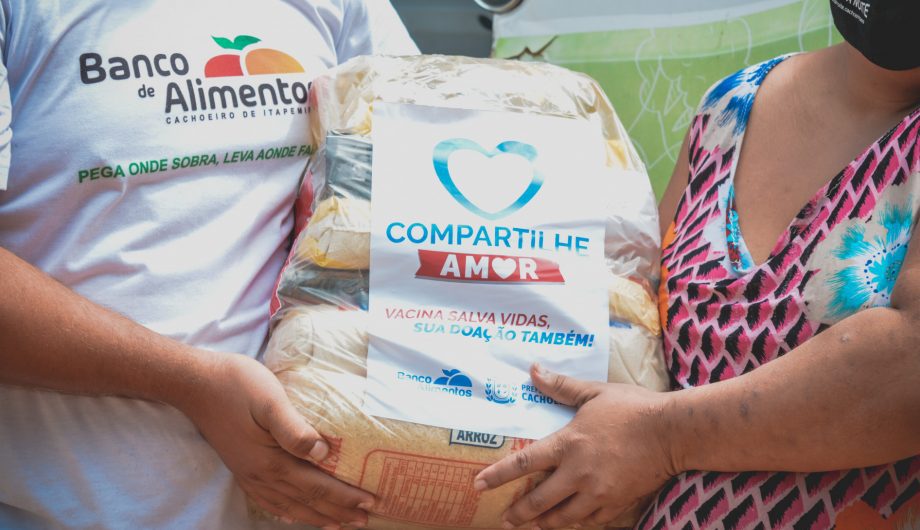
(318, 345)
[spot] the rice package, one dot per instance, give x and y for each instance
(459, 220)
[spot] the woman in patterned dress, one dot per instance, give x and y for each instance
(795, 359)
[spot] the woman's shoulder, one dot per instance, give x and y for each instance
(726, 106)
(740, 83)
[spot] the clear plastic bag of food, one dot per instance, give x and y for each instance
(319, 345)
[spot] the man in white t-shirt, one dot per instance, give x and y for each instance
(149, 157)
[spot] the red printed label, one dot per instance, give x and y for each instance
(424, 490)
(456, 266)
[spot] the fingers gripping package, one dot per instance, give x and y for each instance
(459, 220)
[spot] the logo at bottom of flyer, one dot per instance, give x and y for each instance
(501, 393)
(452, 382)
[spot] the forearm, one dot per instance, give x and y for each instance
(52, 338)
(849, 397)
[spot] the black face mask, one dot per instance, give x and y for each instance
(882, 30)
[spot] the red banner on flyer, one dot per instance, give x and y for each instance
(456, 266)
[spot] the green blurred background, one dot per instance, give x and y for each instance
(655, 76)
(654, 58)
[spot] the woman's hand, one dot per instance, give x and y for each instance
(242, 411)
(611, 456)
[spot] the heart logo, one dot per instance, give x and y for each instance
(504, 267)
(442, 153)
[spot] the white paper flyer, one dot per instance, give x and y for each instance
(487, 254)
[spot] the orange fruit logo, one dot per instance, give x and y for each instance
(257, 61)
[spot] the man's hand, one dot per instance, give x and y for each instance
(62, 341)
(243, 412)
(610, 457)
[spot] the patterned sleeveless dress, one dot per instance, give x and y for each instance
(725, 315)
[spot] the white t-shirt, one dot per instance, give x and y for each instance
(151, 152)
